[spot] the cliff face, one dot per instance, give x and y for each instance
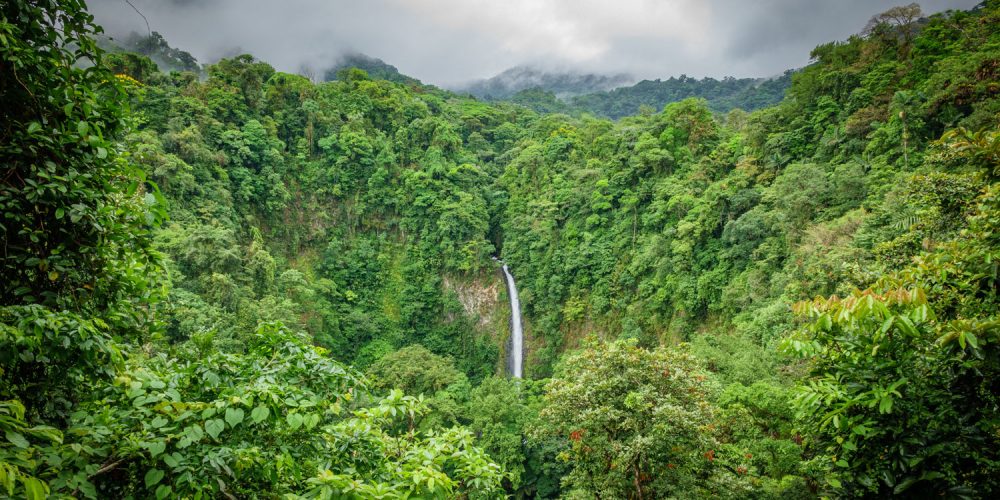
(480, 296)
(486, 304)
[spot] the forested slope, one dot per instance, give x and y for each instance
(874, 181)
(649, 96)
(256, 285)
(157, 231)
(748, 94)
(657, 224)
(562, 84)
(339, 209)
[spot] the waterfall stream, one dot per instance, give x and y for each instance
(516, 345)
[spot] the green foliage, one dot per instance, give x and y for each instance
(373, 68)
(326, 207)
(135, 66)
(75, 212)
(213, 423)
(756, 428)
(899, 394)
(722, 95)
(575, 95)
(416, 371)
(156, 49)
(541, 101)
(980, 149)
(78, 267)
(504, 414)
(97, 403)
(635, 421)
(497, 413)
(200, 421)
(361, 213)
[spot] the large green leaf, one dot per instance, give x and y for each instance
(153, 477)
(214, 427)
(234, 416)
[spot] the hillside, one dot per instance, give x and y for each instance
(724, 95)
(155, 47)
(562, 84)
(243, 283)
(373, 66)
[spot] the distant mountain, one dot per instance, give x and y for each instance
(563, 85)
(722, 95)
(376, 68)
(155, 47)
(542, 101)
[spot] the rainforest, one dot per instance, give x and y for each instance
(228, 281)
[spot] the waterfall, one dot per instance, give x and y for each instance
(516, 345)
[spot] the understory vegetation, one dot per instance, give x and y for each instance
(241, 283)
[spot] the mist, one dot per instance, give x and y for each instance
(450, 42)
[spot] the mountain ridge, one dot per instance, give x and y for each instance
(523, 77)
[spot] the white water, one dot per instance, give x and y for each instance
(516, 334)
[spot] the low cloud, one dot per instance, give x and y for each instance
(448, 42)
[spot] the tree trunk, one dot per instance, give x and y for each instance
(638, 484)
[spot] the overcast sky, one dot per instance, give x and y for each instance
(447, 42)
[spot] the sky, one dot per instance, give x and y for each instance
(449, 42)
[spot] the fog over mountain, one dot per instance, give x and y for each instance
(562, 84)
(451, 42)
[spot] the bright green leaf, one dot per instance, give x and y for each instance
(234, 416)
(215, 427)
(156, 447)
(34, 488)
(153, 476)
(294, 420)
(259, 414)
(163, 491)
(17, 438)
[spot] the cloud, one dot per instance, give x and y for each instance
(452, 41)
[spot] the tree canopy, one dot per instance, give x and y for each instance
(231, 281)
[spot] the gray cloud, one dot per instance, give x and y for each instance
(452, 41)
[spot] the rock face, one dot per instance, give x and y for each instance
(485, 300)
(480, 298)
